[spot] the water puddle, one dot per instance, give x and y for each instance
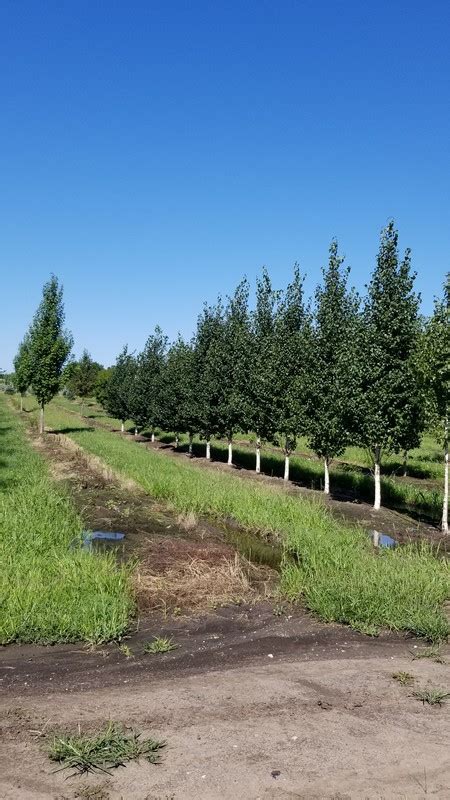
(253, 548)
(90, 538)
(382, 539)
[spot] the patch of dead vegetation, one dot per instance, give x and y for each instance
(199, 584)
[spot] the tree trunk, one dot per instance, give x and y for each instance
(21, 402)
(177, 441)
(286, 467)
(445, 503)
(208, 450)
(135, 431)
(190, 444)
(376, 538)
(258, 455)
(377, 472)
(405, 463)
(153, 437)
(41, 420)
(122, 427)
(230, 452)
(326, 463)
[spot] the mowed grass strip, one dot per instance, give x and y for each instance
(331, 566)
(49, 592)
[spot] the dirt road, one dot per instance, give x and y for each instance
(252, 706)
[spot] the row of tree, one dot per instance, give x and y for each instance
(339, 370)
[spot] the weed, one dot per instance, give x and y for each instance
(432, 653)
(434, 697)
(126, 651)
(279, 610)
(405, 678)
(111, 747)
(160, 644)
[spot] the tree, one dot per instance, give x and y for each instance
(83, 379)
(331, 389)
(435, 370)
(234, 358)
(292, 342)
(22, 367)
(208, 370)
(101, 385)
(179, 404)
(145, 390)
(262, 417)
(49, 346)
(386, 401)
(117, 400)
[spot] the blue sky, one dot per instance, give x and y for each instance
(151, 154)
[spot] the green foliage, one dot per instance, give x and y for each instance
(262, 413)
(179, 404)
(434, 362)
(160, 644)
(22, 366)
(332, 378)
(388, 389)
(145, 401)
(84, 376)
(101, 386)
(119, 387)
(49, 343)
(50, 591)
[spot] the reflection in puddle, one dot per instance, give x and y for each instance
(382, 539)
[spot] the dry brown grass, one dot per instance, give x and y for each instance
(187, 521)
(198, 584)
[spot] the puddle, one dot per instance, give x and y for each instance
(254, 548)
(89, 538)
(382, 539)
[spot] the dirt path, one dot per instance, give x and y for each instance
(252, 706)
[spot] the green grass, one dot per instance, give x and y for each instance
(111, 747)
(331, 566)
(49, 592)
(160, 644)
(434, 697)
(349, 474)
(405, 678)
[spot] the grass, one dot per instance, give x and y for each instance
(329, 565)
(350, 474)
(160, 644)
(434, 697)
(50, 592)
(405, 678)
(110, 748)
(432, 653)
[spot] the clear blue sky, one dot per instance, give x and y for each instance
(152, 153)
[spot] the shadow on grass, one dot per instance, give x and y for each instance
(68, 429)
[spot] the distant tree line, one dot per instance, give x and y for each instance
(339, 369)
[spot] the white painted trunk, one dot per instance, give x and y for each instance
(208, 450)
(376, 538)
(21, 402)
(258, 455)
(190, 445)
(286, 467)
(153, 437)
(326, 464)
(377, 475)
(230, 453)
(41, 421)
(177, 441)
(445, 503)
(135, 431)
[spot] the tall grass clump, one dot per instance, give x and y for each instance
(50, 591)
(332, 567)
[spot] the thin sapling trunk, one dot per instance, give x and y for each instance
(191, 438)
(230, 451)
(326, 464)
(21, 402)
(445, 503)
(377, 476)
(287, 453)
(135, 432)
(41, 420)
(122, 427)
(258, 454)
(153, 437)
(208, 449)
(177, 441)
